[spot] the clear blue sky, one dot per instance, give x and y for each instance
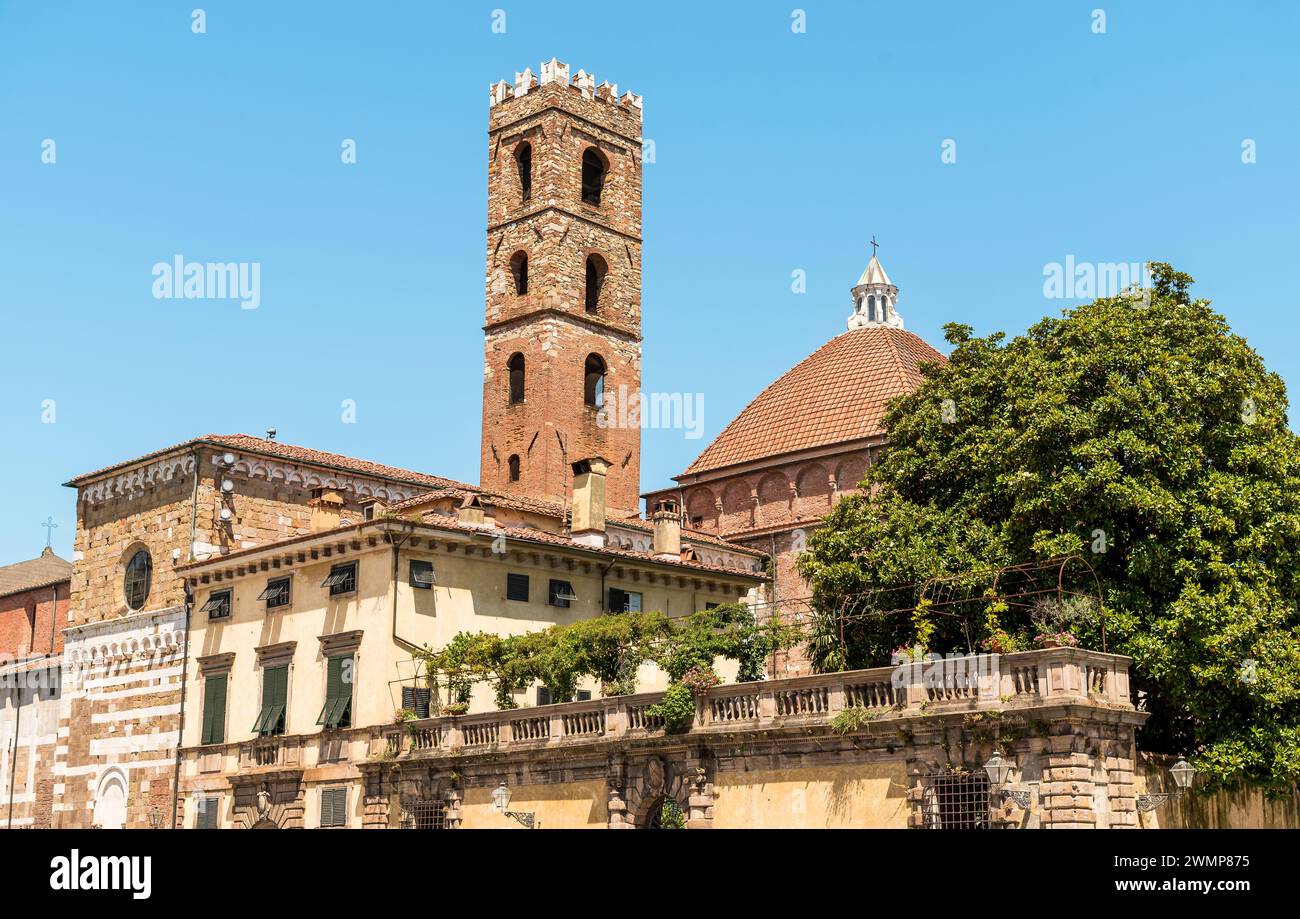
(775, 151)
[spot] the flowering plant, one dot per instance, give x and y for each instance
(700, 679)
(1055, 640)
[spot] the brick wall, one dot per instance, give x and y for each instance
(550, 325)
(774, 509)
(26, 619)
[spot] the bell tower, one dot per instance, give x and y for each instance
(562, 350)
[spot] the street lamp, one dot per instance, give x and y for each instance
(501, 800)
(999, 770)
(1183, 773)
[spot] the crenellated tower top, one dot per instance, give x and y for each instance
(556, 73)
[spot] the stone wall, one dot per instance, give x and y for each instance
(155, 506)
(1245, 806)
(122, 697)
(30, 708)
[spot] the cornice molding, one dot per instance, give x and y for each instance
(141, 479)
(279, 472)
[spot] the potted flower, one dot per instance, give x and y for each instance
(1057, 619)
(404, 715)
(700, 680)
(904, 654)
(453, 709)
(1000, 642)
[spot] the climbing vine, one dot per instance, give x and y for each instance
(608, 649)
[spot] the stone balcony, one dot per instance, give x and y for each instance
(1028, 679)
(1063, 715)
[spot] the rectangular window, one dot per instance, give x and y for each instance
(276, 593)
(517, 587)
(421, 574)
(342, 579)
(543, 696)
(214, 709)
(624, 601)
(561, 594)
(584, 695)
(416, 699)
(275, 696)
(218, 605)
(424, 814)
(956, 801)
(334, 806)
(208, 813)
(337, 711)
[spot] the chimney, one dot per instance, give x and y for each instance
(471, 512)
(588, 526)
(667, 519)
(326, 510)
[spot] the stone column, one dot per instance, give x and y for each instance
(377, 813)
(617, 807)
(1120, 764)
(453, 808)
(1065, 795)
(700, 802)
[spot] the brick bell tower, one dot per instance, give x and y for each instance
(563, 330)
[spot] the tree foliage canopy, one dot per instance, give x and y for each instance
(1146, 423)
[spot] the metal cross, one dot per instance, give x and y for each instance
(874, 245)
(50, 527)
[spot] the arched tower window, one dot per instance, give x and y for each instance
(596, 269)
(513, 463)
(516, 365)
(594, 167)
(524, 165)
(519, 268)
(139, 577)
(593, 390)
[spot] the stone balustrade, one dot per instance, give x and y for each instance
(1008, 682)
(974, 683)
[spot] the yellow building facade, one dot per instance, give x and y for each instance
(298, 647)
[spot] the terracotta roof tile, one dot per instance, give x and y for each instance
(448, 522)
(37, 572)
(279, 450)
(837, 394)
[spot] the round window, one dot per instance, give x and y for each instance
(139, 574)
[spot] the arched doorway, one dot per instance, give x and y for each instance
(266, 823)
(665, 814)
(110, 801)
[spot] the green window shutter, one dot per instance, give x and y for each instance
(338, 693)
(214, 709)
(275, 694)
(334, 806)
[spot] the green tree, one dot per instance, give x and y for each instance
(1143, 435)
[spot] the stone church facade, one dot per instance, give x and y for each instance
(127, 638)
